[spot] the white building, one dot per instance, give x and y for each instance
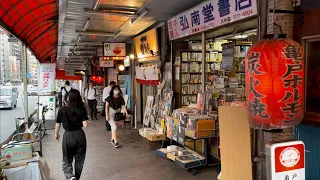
(4, 57)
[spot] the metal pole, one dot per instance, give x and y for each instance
(259, 134)
(25, 84)
(203, 61)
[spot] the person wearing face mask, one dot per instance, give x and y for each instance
(114, 104)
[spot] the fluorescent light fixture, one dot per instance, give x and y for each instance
(240, 36)
(106, 12)
(79, 38)
(86, 25)
(95, 33)
(224, 37)
(133, 20)
(117, 33)
(96, 4)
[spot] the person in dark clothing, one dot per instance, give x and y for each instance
(114, 104)
(105, 95)
(91, 99)
(74, 144)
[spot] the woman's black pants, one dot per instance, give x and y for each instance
(74, 145)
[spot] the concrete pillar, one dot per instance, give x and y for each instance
(25, 83)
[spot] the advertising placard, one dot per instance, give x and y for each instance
(208, 15)
(46, 78)
(50, 103)
(114, 49)
(105, 63)
(147, 75)
(146, 45)
(286, 160)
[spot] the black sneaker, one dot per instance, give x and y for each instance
(116, 145)
(108, 129)
(112, 142)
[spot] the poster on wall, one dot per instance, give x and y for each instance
(50, 103)
(147, 75)
(148, 111)
(146, 45)
(114, 49)
(286, 160)
(208, 15)
(46, 78)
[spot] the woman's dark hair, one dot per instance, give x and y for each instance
(113, 88)
(75, 104)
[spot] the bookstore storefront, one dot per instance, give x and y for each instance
(209, 45)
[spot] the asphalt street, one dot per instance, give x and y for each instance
(7, 117)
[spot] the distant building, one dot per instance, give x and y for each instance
(4, 57)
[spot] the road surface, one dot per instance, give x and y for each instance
(7, 117)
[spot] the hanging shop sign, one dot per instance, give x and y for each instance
(106, 62)
(275, 84)
(46, 78)
(61, 75)
(147, 75)
(146, 45)
(286, 160)
(210, 14)
(114, 49)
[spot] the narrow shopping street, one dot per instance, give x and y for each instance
(130, 162)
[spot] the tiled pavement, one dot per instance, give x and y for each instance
(130, 162)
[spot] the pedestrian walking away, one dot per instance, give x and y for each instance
(105, 95)
(74, 144)
(90, 96)
(65, 91)
(114, 104)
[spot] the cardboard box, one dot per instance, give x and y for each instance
(156, 137)
(199, 134)
(151, 145)
(199, 145)
(18, 152)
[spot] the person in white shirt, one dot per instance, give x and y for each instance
(65, 92)
(105, 95)
(90, 95)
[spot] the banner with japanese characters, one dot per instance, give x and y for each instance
(147, 75)
(210, 14)
(46, 79)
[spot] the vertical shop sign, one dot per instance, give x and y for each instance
(210, 14)
(46, 78)
(286, 160)
(275, 84)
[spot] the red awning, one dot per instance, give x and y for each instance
(34, 22)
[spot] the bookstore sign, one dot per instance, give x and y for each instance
(210, 14)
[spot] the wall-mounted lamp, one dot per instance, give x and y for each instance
(121, 67)
(131, 56)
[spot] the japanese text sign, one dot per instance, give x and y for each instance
(286, 160)
(147, 75)
(210, 14)
(46, 78)
(275, 84)
(105, 63)
(114, 49)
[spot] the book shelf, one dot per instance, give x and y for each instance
(191, 71)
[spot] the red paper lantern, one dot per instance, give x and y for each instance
(93, 78)
(275, 84)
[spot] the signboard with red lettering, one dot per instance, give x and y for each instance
(46, 78)
(286, 160)
(208, 15)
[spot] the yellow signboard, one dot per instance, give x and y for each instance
(146, 45)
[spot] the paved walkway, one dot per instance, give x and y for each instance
(130, 162)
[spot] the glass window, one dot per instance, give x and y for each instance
(5, 92)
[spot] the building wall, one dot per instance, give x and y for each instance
(4, 56)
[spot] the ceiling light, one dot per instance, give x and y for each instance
(117, 33)
(240, 36)
(131, 56)
(96, 4)
(95, 33)
(133, 20)
(106, 12)
(86, 25)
